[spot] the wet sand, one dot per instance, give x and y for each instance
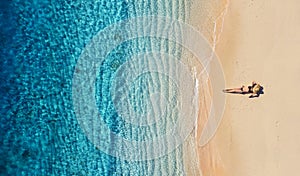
(206, 17)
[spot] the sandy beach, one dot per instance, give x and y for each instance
(258, 137)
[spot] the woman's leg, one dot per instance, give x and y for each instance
(234, 90)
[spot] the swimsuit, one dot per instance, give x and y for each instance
(250, 89)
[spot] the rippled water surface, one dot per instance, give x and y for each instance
(41, 42)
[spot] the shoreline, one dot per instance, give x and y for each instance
(205, 160)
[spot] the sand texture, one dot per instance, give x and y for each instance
(258, 137)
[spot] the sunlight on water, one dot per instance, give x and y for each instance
(42, 42)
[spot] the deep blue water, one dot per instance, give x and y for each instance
(40, 43)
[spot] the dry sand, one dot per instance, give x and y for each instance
(260, 136)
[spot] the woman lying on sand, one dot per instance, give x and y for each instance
(255, 90)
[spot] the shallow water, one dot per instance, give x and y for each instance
(41, 42)
(41, 45)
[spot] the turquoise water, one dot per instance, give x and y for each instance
(41, 42)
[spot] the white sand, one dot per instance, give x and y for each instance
(260, 136)
(261, 41)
